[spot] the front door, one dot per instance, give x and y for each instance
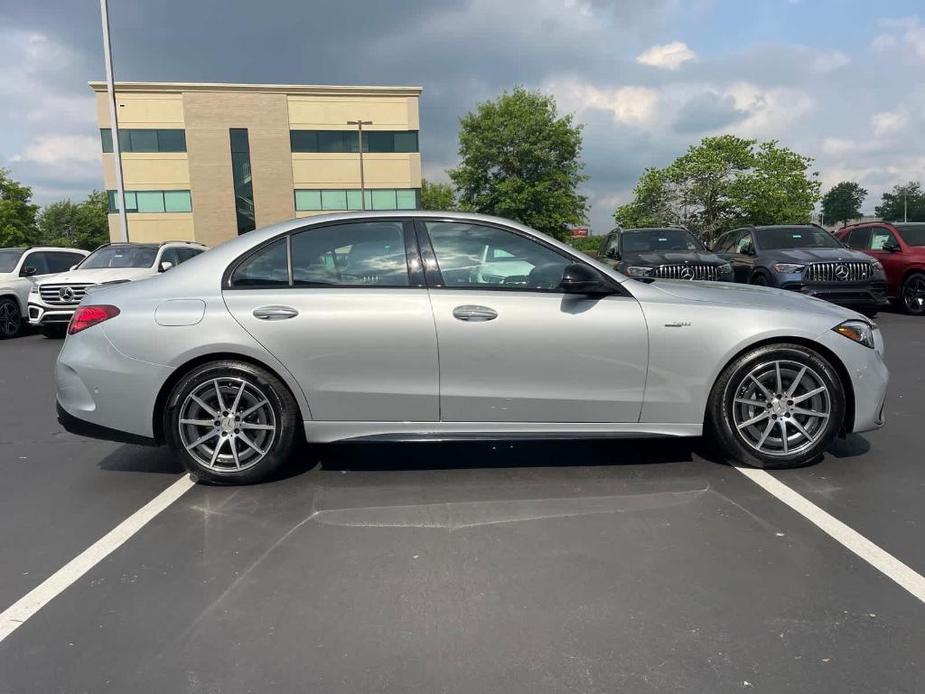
(515, 348)
(348, 316)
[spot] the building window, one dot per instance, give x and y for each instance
(145, 140)
(243, 183)
(346, 140)
(376, 199)
(152, 201)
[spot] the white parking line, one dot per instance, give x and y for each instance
(33, 601)
(881, 560)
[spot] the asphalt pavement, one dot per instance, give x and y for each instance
(632, 566)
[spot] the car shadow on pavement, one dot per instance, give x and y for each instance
(852, 446)
(129, 458)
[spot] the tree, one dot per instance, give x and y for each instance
(722, 182)
(843, 202)
(82, 225)
(904, 202)
(17, 213)
(437, 196)
(519, 159)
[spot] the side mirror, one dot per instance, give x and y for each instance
(165, 265)
(891, 246)
(613, 253)
(748, 249)
(581, 279)
(28, 271)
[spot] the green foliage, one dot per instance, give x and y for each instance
(843, 202)
(519, 159)
(906, 201)
(82, 225)
(586, 244)
(723, 182)
(437, 196)
(17, 213)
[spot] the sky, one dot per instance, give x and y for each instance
(840, 80)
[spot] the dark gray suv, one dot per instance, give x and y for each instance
(806, 259)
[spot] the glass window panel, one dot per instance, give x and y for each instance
(171, 140)
(368, 198)
(113, 201)
(353, 200)
(125, 140)
(383, 199)
(131, 202)
(267, 268)
(880, 236)
(177, 201)
(106, 138)
(307, 200)
(471, 255)
(407, 199)
(303, 140)
(356, 254)
(333, 141)
(239, 141)
(150, 201)
(378, 141)
(334, 199)
(859, 238)
(144, 140)
(406, 142)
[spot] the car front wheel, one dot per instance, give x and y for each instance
(230, 422)
(10, 318)
(777, 406)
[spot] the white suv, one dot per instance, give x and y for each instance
(19, 269)
(53, 301)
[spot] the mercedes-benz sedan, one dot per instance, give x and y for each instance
(422, 325)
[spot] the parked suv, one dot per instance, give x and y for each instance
(806, 259)
(900, 248)
(19, 269)
(668, 253)
(52, 301)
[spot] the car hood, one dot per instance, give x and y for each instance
(817, 255)
(672, 258)
(99, 275)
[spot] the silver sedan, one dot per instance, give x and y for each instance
(422, 325)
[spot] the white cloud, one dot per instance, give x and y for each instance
(637, 106)
(61, 150)
(771, 111)
(668, 56)
(827, 62)
(907, 36)
(886, 123)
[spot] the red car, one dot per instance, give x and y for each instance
(900, 248)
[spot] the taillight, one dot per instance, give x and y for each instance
(88, 316)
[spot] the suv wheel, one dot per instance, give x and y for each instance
(777, 406)
(913, 294)
(10, 318)
(230, 422)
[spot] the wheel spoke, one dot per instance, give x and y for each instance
(202, 404)
(202, 439)
(793, 386)
(765, 391)
(215, 452)
(807, 396)
(764, 436)
(799, 427)
(753, 403)
(754, 420)
(218, 395)
(199, 422)
(262, 427)
(234, 453)
(809, 413)
(246, 439)
(780, 385)
(237, 398)
(783, 432)
(254, 408)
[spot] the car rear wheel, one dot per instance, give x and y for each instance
(913, 294)
(10, 318)
(777, 406)
(230, 422)
(760, 279)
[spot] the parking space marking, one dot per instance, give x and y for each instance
(881, 560)
(33, 601)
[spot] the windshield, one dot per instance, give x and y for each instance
(9, 257)
(660, 240)
(120, 256)
(796, 237)
(913, 234)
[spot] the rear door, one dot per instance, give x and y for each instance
(344, 307)
(514, 347)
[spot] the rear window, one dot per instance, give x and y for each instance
(796, 237)
(9, 257)
(913, 234)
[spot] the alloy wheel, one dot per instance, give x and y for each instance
(10, 320)
(227, 424)
(781, 408)
(914, 294)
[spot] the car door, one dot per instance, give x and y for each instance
(344, 307)
(741, 255)
(881, 239)
(514, 347)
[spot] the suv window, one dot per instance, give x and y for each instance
(611, 243)
(859, 238)
(728, 242)
(475, 256)
(358, 254)
(169, 255)
(186, 253)
(38, 261)
(269, 267)
(880, 236)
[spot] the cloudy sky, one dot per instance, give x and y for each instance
(840, 80)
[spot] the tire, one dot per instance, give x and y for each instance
(759, 279)
(272, 428)
(10, 318)
(761, 443)
(912, 294)
(54, 332)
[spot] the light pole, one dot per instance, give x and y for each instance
(114, 121)
(360, 124)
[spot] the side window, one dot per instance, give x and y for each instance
(269, 267)
(729, 243)
(185, 254)
(38, 261)
(879, 237)
(859, 237)
(356, 254)
(611, 246)
(744, 243)
(169, 255)
(475, 256)
(62, 262)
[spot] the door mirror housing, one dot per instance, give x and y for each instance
(165, 265)
(891, 247)
(613, 253)
(28, 271)
(581, 279)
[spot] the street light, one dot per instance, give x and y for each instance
(360, 124)
(114, 121)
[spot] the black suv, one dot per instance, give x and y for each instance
(807, 259)
(669, 253)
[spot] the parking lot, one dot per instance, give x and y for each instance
(517, 567)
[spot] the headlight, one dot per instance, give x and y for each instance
(877, 267)
(858, 330)
(638, 271)
(725, 269)
(788, 267)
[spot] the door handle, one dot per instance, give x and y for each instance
(474, 313)
(275, 312)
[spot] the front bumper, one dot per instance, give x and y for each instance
(855, 294)
(868, 375)
(46, 315)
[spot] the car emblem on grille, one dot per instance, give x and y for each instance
(842, 272)
(687, 273)
(66, 294)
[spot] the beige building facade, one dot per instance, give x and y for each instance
(206, 162)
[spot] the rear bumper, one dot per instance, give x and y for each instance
(81, 427)
(869, 294)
